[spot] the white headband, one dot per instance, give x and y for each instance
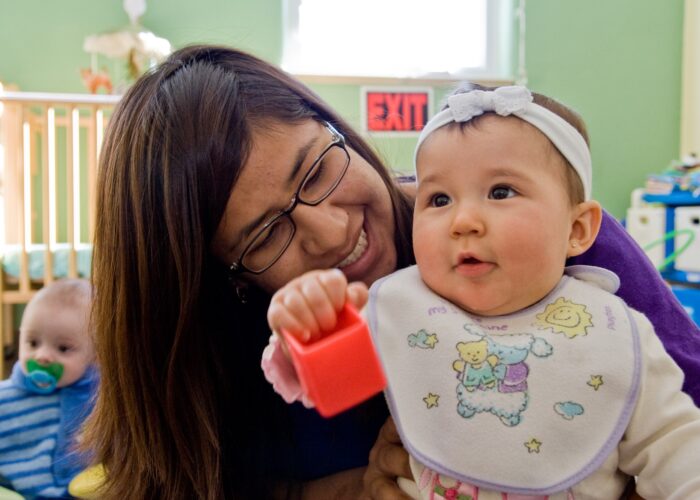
(517, 100)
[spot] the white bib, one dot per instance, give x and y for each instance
(528, 403)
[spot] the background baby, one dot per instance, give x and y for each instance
(48, 395)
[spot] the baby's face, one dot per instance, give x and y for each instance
(493, 217)
(53, 333)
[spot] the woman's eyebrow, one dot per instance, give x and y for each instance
(251, 226)
(302, 153)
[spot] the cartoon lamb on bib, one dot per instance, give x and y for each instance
(493, 373)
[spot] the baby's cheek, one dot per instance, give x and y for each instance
(429, 265)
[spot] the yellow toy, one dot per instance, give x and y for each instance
(6, 494)
(86, 485)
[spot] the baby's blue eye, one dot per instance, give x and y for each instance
(439, 200)
(501, 193)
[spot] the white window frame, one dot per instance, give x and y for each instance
(499, 47)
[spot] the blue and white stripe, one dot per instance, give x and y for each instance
(29, 425)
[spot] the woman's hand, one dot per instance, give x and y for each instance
(387, 460)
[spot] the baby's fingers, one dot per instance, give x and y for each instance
(290, 311)
(325, 296)
(279, 317)
(357, 294)
(309, 304)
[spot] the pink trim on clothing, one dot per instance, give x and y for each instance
(280, 372)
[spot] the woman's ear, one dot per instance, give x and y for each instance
(585, 224)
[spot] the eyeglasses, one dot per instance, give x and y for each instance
(274, 236)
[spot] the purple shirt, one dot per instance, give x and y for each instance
(644, 290)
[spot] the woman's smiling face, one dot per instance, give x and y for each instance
(352, 229)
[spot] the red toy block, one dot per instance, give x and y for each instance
(341, 369)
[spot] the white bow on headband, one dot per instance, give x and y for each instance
(503, 101)
(517, 101)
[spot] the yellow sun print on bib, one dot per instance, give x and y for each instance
(564, 316)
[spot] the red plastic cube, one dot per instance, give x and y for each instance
(341, 369)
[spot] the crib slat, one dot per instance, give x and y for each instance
(11, 140)
(26, 212)
(92, 155)
(48, 150)
(94, 138)
(73, 187)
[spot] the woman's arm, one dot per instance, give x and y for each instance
(387, 461)
(644, 290)
(346, 485)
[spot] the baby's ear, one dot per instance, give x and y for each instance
(585, 224)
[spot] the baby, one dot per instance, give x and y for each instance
(48, 395)
(510, 376)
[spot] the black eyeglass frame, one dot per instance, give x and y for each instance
(237, 266)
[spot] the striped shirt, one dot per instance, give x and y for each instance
(31, 427)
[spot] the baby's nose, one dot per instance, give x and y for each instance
(467, 220)
(43, 356)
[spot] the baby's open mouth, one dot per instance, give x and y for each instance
(473, 267)
(470, 260)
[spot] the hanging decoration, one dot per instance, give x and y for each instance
(137, 46)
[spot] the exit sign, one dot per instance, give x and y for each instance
(396, 111)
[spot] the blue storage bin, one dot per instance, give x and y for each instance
(690, 299)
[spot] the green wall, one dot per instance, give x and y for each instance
(617, 62)
(41, 41)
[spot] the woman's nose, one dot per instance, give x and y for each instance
(467, 220)
(321, 229)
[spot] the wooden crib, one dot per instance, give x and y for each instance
(49, 144)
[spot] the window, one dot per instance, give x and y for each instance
(399, 38)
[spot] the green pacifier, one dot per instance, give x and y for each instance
(44, 378)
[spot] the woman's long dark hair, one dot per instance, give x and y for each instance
(183, 410)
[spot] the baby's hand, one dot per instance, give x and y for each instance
(309, 305)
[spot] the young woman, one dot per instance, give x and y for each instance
(221, 179)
